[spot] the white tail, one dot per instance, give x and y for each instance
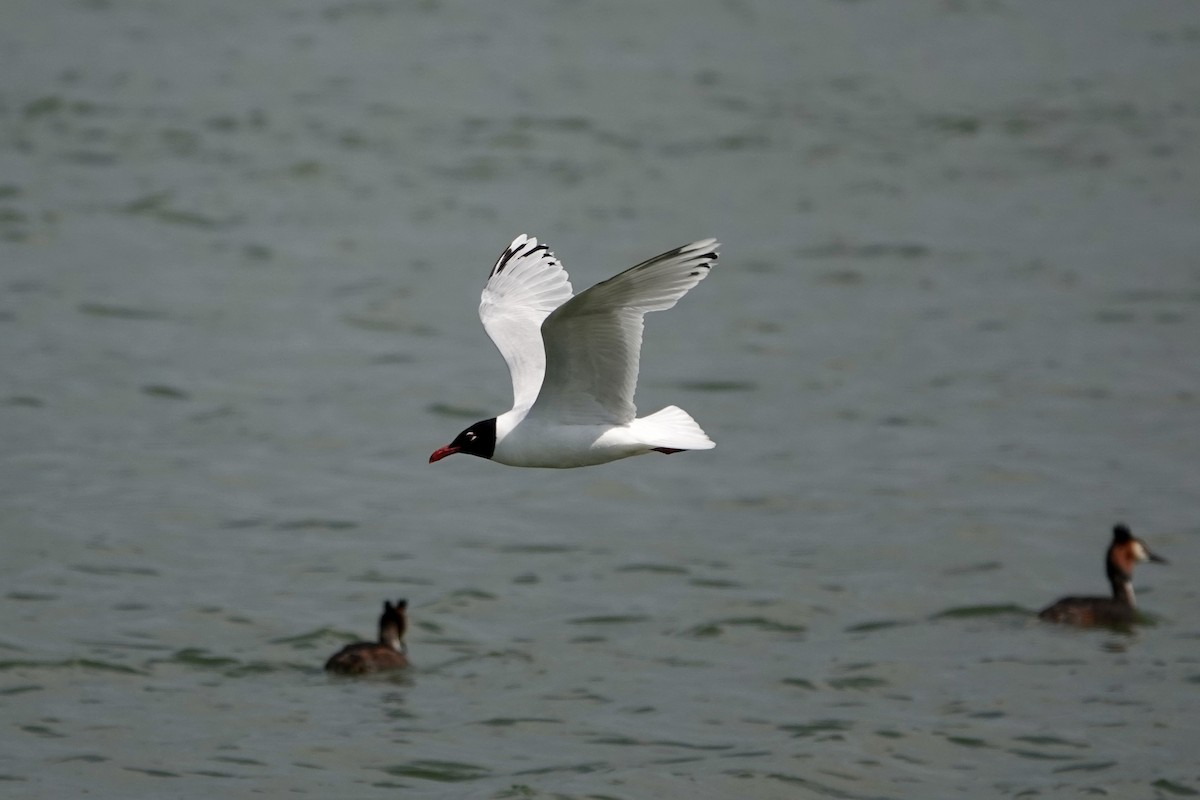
(672, 428)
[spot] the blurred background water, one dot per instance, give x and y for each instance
(953, 337)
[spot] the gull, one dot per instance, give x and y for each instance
(574, 359)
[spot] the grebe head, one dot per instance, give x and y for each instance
(393, 623)
(1125, 551)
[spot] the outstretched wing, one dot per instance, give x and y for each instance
(594, 340)
(525, 285)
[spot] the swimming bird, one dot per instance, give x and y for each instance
(388, 653)
(574, 360)
(1119, 610)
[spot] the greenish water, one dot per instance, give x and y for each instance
(951, 340)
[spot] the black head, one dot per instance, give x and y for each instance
(1121, 533)
(477, 440)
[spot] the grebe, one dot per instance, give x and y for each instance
(388, 653)
(1119, 610)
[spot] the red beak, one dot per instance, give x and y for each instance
(442, 452)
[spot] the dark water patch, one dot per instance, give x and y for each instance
(578, 694)
(952, 124)
(735, 142)
(244, 669)
(609, 619)
(810, 785)
(1037, 662)
(967, 741)
(876, 625)
(538, 549)
(676, 760)
(906, 421)
(44, 106)
(823, 729)
(1171, 787)
(715, 583)
(717, 386)
(508, 722)
(579, 769)
(198, 657)
(765, 624)
(8, 691)
(306, 641)
(856, 682)
(843, 249)
(13, 216)
(987, 715)
(388, 359)
(840, 277)
(661, 569)
(888, 733)
(1154, 296)
(526, 579)
(116, 311)
(240, 761)
(96, 569)
(165, 391)
(439, 771)
(623, 741)
(472, 594)
(153, 773)
(973, 569)
(254, 251)
(31, 596)
(974, 612)
(1050, 741)
(676, 661)
(305, 169)
(155, 206)
(802, 683)
(456, 412)
(87, 758)
(44, 731)
(709, 748)
(1038, 755)
(316, 523)
(629, 741)
(1087, 766)
(24, 401)
(748, 754)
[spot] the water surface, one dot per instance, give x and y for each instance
(952, 339)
